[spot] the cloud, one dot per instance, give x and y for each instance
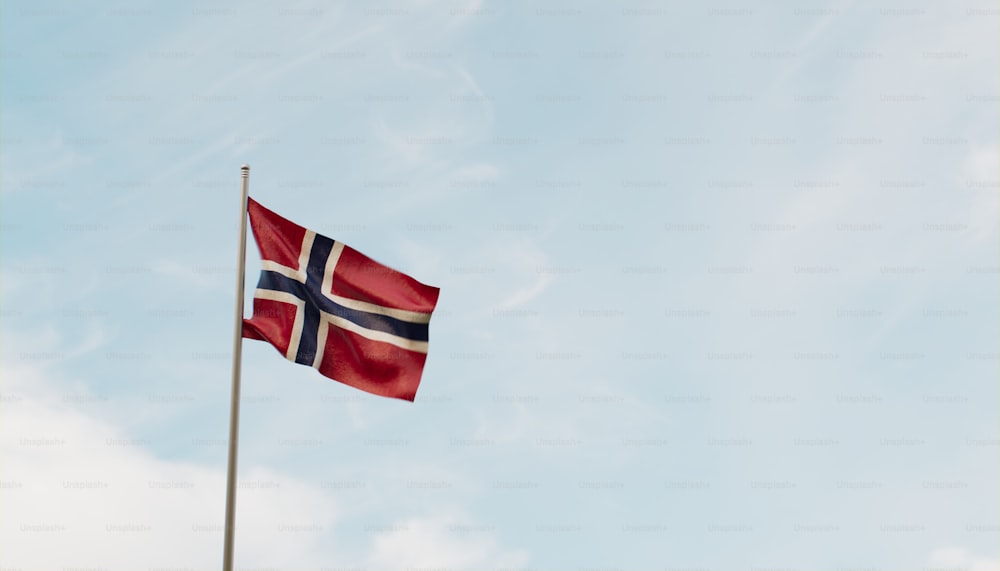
(962, 558)
(479, 172)
(25, 170)
(526, 294)
(981, 170)
(521, 258)
(187, 275)
(441, 541)
(79, 491)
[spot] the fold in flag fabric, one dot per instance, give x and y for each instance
(326, 305)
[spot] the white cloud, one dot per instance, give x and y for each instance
(80, 492)
(526, 294)
(471, 85)
(186, 274)
(962, 558)
(982, 170)
(50, 166)
(479, 172)
(441, 541)
(521, 259)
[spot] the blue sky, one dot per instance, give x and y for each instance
(719, 284)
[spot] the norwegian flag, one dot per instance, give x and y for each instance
(326, 305)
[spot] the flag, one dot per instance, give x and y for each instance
(323, 304)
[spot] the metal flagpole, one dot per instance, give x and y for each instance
(234, 403)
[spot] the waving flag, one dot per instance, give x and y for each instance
(326, 305)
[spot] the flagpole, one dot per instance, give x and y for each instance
(234, 403)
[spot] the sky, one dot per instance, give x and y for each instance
(718, 284)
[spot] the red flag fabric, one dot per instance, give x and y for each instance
(321, 303)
